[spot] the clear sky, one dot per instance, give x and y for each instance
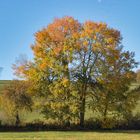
(20, 19)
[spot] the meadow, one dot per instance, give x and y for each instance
(58, 135)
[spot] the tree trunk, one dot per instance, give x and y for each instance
(105, 112)
(82, 105)
(17, 119)
(82, 112)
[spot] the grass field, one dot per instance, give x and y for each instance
(56, 135)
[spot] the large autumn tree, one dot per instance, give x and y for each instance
(74, 62)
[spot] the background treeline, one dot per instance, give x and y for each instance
(78, 69)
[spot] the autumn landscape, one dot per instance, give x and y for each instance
(69, 70)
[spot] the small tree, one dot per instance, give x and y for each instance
(15, 98)
(113, 95)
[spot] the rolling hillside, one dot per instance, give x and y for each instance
(3, 82)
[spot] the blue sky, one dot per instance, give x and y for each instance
(20, 19)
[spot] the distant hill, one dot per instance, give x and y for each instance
(3, 82)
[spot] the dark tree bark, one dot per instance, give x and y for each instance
(17, 119)
(82, 112)
(82, 105)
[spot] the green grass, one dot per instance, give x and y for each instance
(56, 135)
